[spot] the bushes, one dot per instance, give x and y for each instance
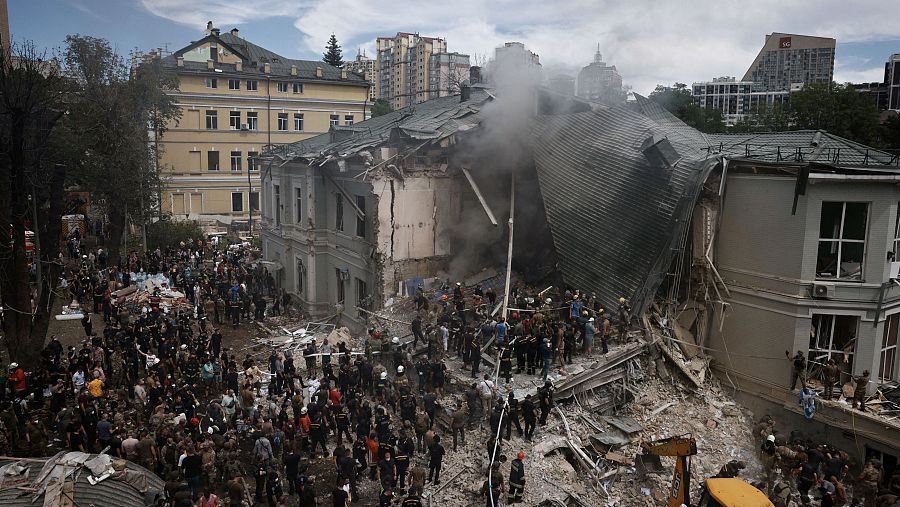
(168, 232)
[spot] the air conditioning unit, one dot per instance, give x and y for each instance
(823, 290)
(895, 270)
(244, 126)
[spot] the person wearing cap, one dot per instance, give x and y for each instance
(16, 379)
(516, 479)
(624, 317)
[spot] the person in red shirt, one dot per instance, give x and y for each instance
(16, 378)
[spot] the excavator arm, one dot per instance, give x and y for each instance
(682, 448)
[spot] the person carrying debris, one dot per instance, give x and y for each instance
(516, 479)
(798, 368)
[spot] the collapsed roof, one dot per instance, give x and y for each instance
(619, 184)
(77, 478)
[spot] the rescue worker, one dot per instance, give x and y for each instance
(868, 483)
(529, 415)
(546, 401)
(798, 369)
(405, 449)
(516, 479)
(624, 317)
(832, 377)
(506, 364)
(859, 394)
(512, 415)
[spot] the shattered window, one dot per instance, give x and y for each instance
(833, 337)
(842, 240)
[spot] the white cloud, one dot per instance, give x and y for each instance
(872, 75)
(649, 41)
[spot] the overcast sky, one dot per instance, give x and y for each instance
(650, 41)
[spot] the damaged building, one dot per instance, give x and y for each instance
(740, 245)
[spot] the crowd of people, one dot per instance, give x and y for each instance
(798, 471)
(155, 384)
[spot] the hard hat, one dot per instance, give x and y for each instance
(521, 455)
(458, 284)
(770, 438)
(303, 411)
(395, 339)
(383, 375)
(444, 297)
(548, 301)
(591, 319)
(399, 369)
(183, 346)
(621, 301)
(13, 366)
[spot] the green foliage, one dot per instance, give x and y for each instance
(112, 115)
(890, 133)
(838, 109)
(380, 107)
(332, 55)
(167, 232)
(678, 101)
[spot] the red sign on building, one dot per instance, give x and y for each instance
(784, 43)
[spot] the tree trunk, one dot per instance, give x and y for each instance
(117, 225)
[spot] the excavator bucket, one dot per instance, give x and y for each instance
(648, 464)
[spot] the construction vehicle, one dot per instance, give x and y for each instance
(718, 492)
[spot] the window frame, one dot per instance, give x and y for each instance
(276, 201)
(252, 162)
(334, 120)
(282, 87)
(296, 87)
(887, 358)
(232, 115)
(298, 203)
(212, 119)
(254, 124)
(348, 120)
(362, 295)
(236, 161)
(234, 84)
(840, 241)
(299, 121)
(339, 212)
(252, 85)
(212, 83)
(241, 210)
(282, 122)
(209, 160)
(814, 351)
(250, 200)
(896, 243)
(341, 292)
(360, 221)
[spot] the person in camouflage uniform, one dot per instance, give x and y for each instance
(867, 483)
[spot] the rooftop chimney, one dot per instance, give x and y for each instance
(293, 70)
(210, 64)
(179, 61)
(209, 27)
(343, 73)
(239, 66)
(267, 68)
(234, 31)
(216, 31)
(318, 71)
(465, 91)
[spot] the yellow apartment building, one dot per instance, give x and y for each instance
(237, 98)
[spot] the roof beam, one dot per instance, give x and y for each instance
(484, 205)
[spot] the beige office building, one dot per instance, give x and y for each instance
(364, 66)
(237, 98)
(788, 62)
(403, 67)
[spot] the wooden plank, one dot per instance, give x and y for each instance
(487, 210)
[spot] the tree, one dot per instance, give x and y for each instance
(678, 101)
(380, 107)
(838, 109)
(32, 101)
(117, 109)
(890, 132)
(167, 232)
(332, 55)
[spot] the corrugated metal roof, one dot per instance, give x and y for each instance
(431, 120)
(801, 146)
(109, 493)
(615, 218)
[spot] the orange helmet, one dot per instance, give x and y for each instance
(444, 297)
(521, 455)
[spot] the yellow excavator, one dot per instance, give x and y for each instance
(719, 492)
